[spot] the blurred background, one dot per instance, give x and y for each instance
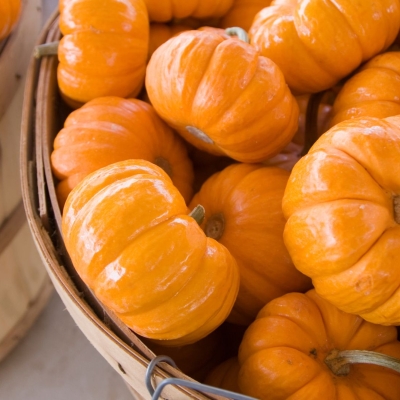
(54, 360)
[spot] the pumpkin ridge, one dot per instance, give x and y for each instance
(192, 278)
(209, 127)
(204, 73)
(331, 74)
(355, 160)
(269, 106)
(348, 23)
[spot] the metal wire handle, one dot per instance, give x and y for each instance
(155, 393)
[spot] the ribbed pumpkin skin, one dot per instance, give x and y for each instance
(130, 239)
(225, 375)
(166, 10)
(282, 353)
(342, 209)
(222, 96)
(10, 11)
(111, 129)
(317, 43)
(371, 92)
(102, 53)
(242, 13)
(249, 197)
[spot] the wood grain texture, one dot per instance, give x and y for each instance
(25, 286)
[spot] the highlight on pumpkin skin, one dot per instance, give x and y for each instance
(10, 11)
(213, 105)
(114, 220)
(110, 129)
(102, 53)
(316, 44)
(302, 346)
(342, 229)
(372, 91)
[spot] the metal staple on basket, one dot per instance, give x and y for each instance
(200, 387)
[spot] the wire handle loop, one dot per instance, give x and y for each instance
(149, 372)
(200, 387)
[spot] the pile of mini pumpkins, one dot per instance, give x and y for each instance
(230, 169)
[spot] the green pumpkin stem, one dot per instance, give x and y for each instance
(238, 32)
(198, 214)
(339, 361)
(46, 49)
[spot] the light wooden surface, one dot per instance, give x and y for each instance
(24, 284)
(56, 362)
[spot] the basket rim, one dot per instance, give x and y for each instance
(43, 234)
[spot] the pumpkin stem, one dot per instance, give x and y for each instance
(396, 207)
(164, 165)
(339, 361)
(46, 49)
(311, 127)
(198, 214)
(199, 134)
(239, 32)
(215, 226)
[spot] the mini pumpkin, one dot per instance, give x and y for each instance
(111, 129)
(221, 95)
(167, 10)
(342, 205)
(126, 229)
(372, 91)
(225, 375)
(302, 347)
(243, 211)
(242, 13)
(10, 11)
(104, 49)
(160, 33)
(318, 43)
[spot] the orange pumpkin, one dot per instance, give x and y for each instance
(242, 13)
(126, 229)
(111, 129)
(372, 91)
(10, 11)
(160, 33)
(243, 212)
(222, 96)
(104, 49)
(167, 10)
(342, 205)
(225, 375)
(317, 43)
(295, 347)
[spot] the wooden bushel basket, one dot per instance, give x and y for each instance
(43, 116)
(24, 284)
